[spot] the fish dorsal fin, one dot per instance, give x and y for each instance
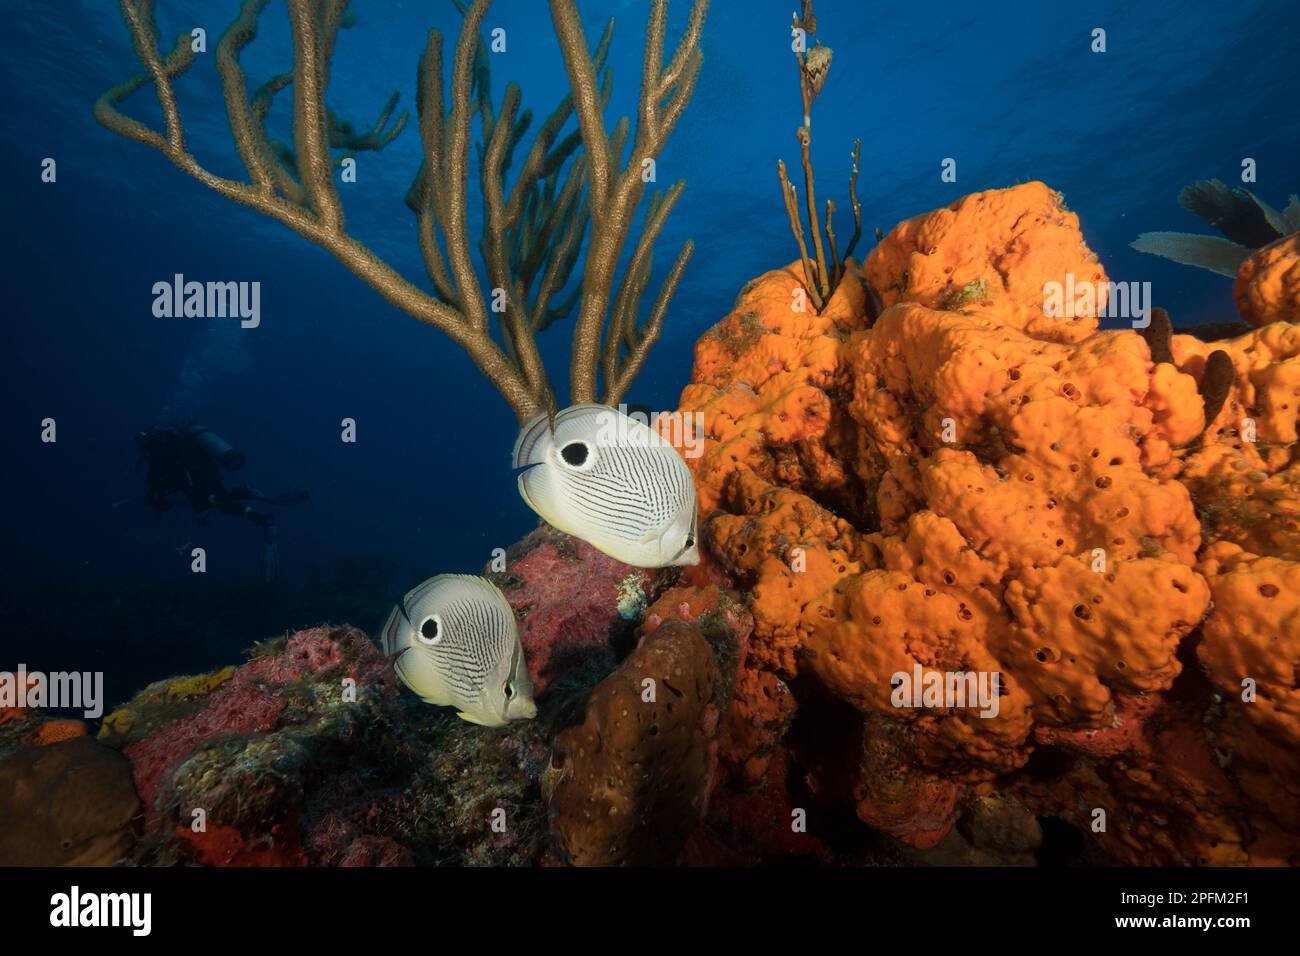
(432, 588)
(528, 446)
(529, 438)
(388, 633)
(412, 611)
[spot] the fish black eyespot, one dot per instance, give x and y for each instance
(575, 453)
(429, 631)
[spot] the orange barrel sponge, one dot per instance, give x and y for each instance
(978, 482)
(994, 253)
(1267, 288)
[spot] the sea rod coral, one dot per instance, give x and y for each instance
(533, 231)
(822, 273)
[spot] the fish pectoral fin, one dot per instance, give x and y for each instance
(470, 717)
(523, 493)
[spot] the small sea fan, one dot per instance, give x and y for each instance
(1236, 213)
(1204, 252)
(1247, 221)
(807, 20)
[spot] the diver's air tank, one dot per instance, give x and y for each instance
(216, 447)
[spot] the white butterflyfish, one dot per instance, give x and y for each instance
(610, 480)
(455, 642)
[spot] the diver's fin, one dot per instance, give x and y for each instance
(270, 562)
(294, 497)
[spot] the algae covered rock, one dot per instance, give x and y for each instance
(225, 762)
(310, 753)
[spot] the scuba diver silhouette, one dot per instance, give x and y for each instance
(187, 458)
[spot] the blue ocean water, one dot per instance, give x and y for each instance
(1011, 90)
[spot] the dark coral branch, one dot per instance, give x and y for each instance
(455, 170)
(822, 276)
(622, 327)
(534, 228)
(1216, 383)
(810, 282)
(310, 126)
(615, 189)
(425, 197)
(1217, 379)
(836, 268)
(343, 136)
(853, 199)
(247, 125)
(1159, 335)
(649, 333)
(311, 208)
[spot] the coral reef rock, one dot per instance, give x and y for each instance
(590, 626)
(227, 763)
(310, 754)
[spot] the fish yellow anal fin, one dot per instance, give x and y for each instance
(472, 719)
